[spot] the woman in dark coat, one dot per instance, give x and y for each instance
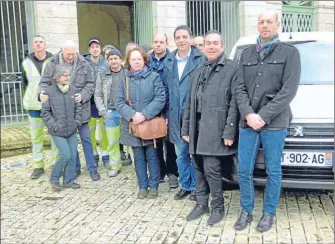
(62, 117)
(147, 96)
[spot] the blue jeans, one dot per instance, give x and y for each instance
(85, 138)
(66, 162)
(186, 167)
(273, 144)
(146, 157)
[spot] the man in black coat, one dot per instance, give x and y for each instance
(210, 125)
(270, 75)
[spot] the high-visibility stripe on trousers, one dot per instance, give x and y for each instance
(92, 125)
(37, 138)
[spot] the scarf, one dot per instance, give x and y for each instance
(63, 88)
(137, 74)
(263, 50)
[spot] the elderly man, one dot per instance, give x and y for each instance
(168, 166)
(98, 64)
(270, 74)
(33, 67)
(199, 42)
(210, 125)
(82, 78)
(178, 67)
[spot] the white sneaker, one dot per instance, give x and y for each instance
(113, 173)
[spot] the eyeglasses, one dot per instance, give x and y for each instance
(66, 75)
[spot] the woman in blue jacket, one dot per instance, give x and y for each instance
(147, 96)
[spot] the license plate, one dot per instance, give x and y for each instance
(310, 159)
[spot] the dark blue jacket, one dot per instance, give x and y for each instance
(158, 65)
(177, 90)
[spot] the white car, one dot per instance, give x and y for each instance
(308, 158)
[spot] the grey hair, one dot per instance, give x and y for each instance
(69, 43)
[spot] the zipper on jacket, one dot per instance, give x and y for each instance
(64, 98)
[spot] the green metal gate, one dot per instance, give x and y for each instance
(203, 16)
(297, 16)
(143, 22)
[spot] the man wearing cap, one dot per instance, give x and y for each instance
(107, 84)
(98, 64)
(33, 67)
(82, 78)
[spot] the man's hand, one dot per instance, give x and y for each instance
(43, 97)
(186, 138)
(138, 118)
(228, 142)
(77, 97)
(255, 121)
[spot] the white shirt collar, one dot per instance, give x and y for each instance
(181, 59)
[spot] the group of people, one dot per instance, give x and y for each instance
(203, 95)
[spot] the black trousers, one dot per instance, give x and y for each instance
(168, 166)
(209, 180)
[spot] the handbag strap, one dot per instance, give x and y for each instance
(127, 91)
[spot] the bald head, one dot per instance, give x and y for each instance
(268, 25)
(159, 44)
(269, 13)
(69, 50)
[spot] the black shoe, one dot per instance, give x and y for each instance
(243, 220)
(78, 172)
(37, 173)
(193, 196)
(56, 186)
(72, 185)
(161, 179)
(95, 176)
(197, 212)
(173, 181)
(216, 216)
(181, 194)
(265, 223)
(125, 159)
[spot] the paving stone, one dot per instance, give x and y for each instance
(107, 211)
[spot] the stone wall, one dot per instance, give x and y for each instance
(167, 16)
(56, 21)
(324, 16)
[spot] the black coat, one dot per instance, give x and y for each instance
(219, 117)
(61, 114)
(267, 86)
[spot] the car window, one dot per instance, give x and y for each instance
(317, 63)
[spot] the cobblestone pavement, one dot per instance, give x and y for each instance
(107, 211)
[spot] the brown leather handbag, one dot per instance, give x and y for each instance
(149, 129)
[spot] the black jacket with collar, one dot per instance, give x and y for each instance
(219, 115)
(267, 86)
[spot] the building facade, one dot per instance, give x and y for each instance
(119, 22)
